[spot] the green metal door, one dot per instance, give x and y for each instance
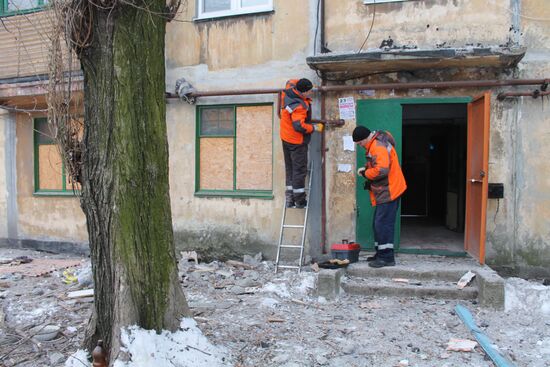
(376, 115)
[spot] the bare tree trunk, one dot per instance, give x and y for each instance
(125, 189)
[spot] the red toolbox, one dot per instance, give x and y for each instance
(346, 250)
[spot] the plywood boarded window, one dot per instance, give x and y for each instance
(49, 169)
(234, 150)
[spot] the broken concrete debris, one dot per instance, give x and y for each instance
(461, 345)
(465, 279)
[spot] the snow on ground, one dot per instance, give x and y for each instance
(187, 347)
(527, 296)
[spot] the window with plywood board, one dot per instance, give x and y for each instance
(235, 150)
(50, 176)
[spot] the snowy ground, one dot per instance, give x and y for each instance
(255, 317)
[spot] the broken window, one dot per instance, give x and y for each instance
(50, 176)
(235, 150)
(222, 8)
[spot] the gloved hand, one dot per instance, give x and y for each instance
(367, 184)
(318, 127)
(361, 171)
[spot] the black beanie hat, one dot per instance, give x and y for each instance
(304, 85)
(360, 133)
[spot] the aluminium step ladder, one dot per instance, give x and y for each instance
(303, 227)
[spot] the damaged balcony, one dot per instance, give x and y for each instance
(353, 64)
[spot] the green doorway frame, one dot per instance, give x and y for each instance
(387, 114)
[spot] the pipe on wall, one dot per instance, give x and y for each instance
(535, 94)
(396, 86)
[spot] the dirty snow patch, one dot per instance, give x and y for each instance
(528, 296)
(187, 347)
(78, 359)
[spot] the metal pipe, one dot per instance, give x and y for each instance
(323, 175)
(535, 94)
(437, 85)
(322, 26)
(400, 86)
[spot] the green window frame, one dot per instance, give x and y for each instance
(6, 11)
(228, 131)
(40, 138)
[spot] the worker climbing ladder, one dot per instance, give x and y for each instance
(302, 226)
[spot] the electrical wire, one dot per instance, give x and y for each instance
(371, 25)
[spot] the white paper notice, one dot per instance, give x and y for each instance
(344, 167)
(348, 143)
(347, 108)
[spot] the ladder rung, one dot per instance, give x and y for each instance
(288, 266)
(291, 246)
(293, 226)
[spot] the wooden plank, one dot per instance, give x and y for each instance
(49, 168)
(254, 147)
(216, 163)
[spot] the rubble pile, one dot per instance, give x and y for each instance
(266, 319)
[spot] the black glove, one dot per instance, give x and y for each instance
(367, 184)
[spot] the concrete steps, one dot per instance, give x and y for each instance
(425, 276)
(425, 288)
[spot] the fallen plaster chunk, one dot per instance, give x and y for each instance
(80, 294)
(461, 345)
(466, 279)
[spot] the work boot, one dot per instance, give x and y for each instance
(384, 258)
(289, 199)
(373, 257)
(300, 200)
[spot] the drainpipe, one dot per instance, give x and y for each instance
(324, 50)
(516, 15)
(323, 174)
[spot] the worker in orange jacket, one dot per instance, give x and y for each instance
(386, 183)
(295, 130)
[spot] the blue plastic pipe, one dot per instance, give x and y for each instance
(483, 340)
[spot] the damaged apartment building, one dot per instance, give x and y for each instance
(461, 85)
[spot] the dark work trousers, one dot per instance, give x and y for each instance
(384, 224)
(295, 168)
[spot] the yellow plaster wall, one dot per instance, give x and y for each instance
(48, 218)
(237, 41)
(423, 23)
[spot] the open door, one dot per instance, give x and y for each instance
(477, 175)
(376, 114)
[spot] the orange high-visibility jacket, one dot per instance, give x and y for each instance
(383, 169)
(296, 126)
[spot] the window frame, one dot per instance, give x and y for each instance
(235, 193)
(4, 12)
(236, 9)
(36, 189)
